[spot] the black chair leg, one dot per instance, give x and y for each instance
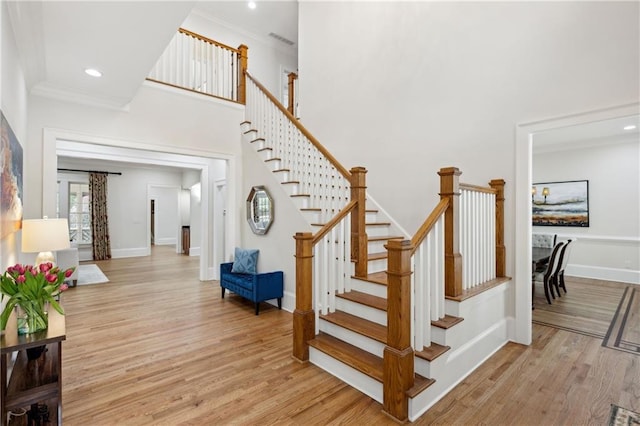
(279, 302)
(257, 307)
(545, 283)
(562, 283)
(223, 289)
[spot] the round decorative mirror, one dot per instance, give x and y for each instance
(259, 210)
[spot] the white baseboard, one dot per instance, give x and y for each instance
(194, 251)
(164, 241)
(607, 274)
(131, 252)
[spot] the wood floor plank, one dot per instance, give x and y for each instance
(155, 346)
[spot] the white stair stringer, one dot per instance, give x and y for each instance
(485, 329)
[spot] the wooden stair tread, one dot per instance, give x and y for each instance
(311, 209)
(272, 159)
(290, 182)
(432, 352)
(419, 384)
(256, 140)
(377, 256)
(250, 130)
(245, 122)
(447, 322)
(385, 238)
(378, 224)
(300, 195)
(265, 149)
(375, 277)
(365, 299)
(361, 360)
(358, 325)
(281, 170)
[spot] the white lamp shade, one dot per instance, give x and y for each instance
(42, 235)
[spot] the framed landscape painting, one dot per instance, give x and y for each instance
(560, 203)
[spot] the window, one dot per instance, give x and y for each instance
(79, 213)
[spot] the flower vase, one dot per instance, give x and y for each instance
(32, 317)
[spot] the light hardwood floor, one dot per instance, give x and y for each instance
(155, 346)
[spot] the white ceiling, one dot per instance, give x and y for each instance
(57, 40)
(586, 135)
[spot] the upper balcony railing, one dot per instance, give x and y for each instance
(202, 65)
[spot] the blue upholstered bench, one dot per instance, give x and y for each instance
(255, 287)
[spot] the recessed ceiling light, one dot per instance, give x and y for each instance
(93, 72)
(252, 5)
(631, 127)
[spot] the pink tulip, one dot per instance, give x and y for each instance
(51, 278)
(19, 268)
(21, 279)
(68, 272)
(63, 287)
(44, 267)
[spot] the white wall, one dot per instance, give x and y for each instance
(167, 204)
(436, 84)
(13, 103)
(265, 60)
(610, 247)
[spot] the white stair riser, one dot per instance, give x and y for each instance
(311, 216)
(245, 126)
(430, 368)
(362, 311)
(367, 287)
(282, 176)
(291, 188)
(258, 144)
(355, 339)
(377, 265)
(371, 217)
(274, 165)
(266, 154)
(353, 377)
(377, 230)
(301, 202)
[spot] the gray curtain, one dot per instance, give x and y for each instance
(99, 219)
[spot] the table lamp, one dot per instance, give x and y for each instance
(44, 236)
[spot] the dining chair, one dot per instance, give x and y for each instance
(543, 240)
(549, 272)
(558, 275)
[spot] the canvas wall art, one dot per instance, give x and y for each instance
(10, 180)
(560, 203)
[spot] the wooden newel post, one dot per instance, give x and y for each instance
(242, 77)
(449, 188)
(398, 371)
(501, 260)
(304, 323)
(292, 87)
(358, 217)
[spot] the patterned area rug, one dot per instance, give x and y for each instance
(619, 416)
(624, 331)
(91, 274)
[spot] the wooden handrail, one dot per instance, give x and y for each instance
(207, 40)
(302, 129)
(334, 221)
(428, 224)
(477, 188)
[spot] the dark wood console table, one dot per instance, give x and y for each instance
(32, 382)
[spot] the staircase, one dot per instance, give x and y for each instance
(371, 307)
